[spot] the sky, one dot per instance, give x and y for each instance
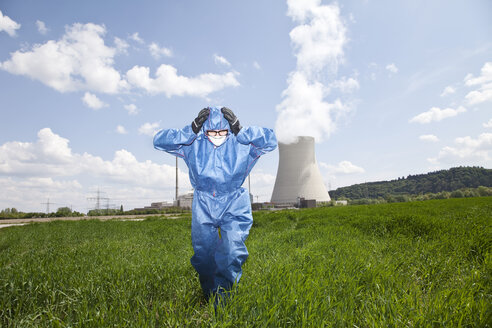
(387, 88)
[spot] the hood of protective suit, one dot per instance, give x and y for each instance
(216, 121)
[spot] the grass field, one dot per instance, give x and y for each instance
(419, 264)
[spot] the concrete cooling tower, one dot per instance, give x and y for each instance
(298, 174)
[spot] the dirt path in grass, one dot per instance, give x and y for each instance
(11, 222)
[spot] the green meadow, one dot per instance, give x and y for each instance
(417, 264)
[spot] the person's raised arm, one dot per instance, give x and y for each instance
(172, 140)
(263, 139)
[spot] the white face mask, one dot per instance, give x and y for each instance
(217, 140)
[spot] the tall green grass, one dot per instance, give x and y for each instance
(420, 264)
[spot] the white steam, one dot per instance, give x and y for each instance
(318, 43)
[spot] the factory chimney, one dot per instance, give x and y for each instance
(176, 196)
(298, 174)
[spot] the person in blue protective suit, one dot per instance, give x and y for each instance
(220, 154)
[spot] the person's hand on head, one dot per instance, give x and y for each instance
(232, 119)
(197, 123)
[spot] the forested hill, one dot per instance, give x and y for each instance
(434, 182)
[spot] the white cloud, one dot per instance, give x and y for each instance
(344, 167)
(467, 151)
(168, 81)
(132, 109)
(136, 37)
(32, 170)
(121, 45)
(304, 109)
(448, 91)
(121, 129)
(42, 158)
(81, 61)
(484, 82)
(429, 137)
(41, 27)
(149, 129)
(436, 114)
(318, 43)
(479, 96)
(320, 36)
(346, 85)
(485, 76)
(488, 124)
(27, 194)
(8, 25)
(392, 68)
(48, 184)
(78, 61)
(256, 65)
(157, 51)
(92, 101)
(219, 60)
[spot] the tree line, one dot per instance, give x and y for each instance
(13, 213)
(105, 212)
(454, 179)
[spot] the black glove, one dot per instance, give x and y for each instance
(197, 123)
(232, 119)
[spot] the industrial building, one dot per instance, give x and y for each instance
(155, 206)
(184, 201)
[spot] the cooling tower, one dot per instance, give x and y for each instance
(298, 173)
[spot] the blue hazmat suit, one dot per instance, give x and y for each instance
(219, 202)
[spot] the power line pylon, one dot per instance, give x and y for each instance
(48, 203)
(98, 199)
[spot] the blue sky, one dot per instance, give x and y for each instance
(387, 88)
